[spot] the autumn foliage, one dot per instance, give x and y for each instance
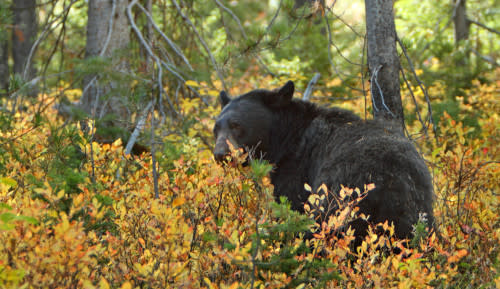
(76, 213)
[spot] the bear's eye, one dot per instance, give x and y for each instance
(236, 128)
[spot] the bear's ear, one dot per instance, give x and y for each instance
(224, 99)
(285, 94)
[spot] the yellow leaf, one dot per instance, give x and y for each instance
(87, 285)
(307, 187)
(103, 284)
(313, 199)
(237, 284)
(212, 92)
(60, 194)
(178, 201)
(192, 83)
(117, 143)
(126, 285)
(210, 285)
(78, 200)
(322, 188)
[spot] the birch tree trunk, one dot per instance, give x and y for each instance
(383, 60)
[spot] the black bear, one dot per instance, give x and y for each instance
(314, 145)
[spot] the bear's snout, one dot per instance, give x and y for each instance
(221, 150)
(220, 155)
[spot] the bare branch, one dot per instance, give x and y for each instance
(150, 52)
(484, 26)
(363, 75)
(233, 16)
(339, 74)
(417, 110)
(420, 84)
(49, 26)
(485, 58)
(202, 41)
(274, 17)
(238, 22)
(310, 86)
(172, 45)
(110, 29)
(138, 128)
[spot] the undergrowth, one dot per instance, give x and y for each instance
(72, 216)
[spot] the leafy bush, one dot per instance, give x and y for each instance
(80, 217)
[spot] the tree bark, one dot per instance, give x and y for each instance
(23, 37)
(383, 60)
(460, 20)
(4, 62)
(104, 40)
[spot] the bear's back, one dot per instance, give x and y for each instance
(356, 153)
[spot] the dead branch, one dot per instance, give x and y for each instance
(483, 26)
(172, 45)
(138, 128)
(420, 84)
(203, 43)
(310, 86)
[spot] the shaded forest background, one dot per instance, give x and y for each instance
(106, 173)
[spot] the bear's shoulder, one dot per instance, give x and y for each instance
(329, 115)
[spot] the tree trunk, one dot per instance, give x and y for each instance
(461, 22)
(23, 37)
(383, 60)
(100, 98)
(4, 63)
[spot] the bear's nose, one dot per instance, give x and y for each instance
(220, 155)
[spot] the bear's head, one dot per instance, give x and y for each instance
(245, 122)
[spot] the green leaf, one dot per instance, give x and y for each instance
(8, 181)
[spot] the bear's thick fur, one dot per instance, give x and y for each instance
(314, 145)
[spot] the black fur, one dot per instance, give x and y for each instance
(314, 145)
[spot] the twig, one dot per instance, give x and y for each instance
(330, 55)
(153, 147)
(484, 26)
(438, 31)
(150, 52)
(274, 17)
(484, 57)
(296, 25)
(310, 86)
(256, 250)
(160, 90)
(363, 75)
(202, 41)
(238, 22)
(236, 19)
(48, 27)
(417, 110)
(344, 22)
(172, 45)
(92, 162)
(420, 84)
